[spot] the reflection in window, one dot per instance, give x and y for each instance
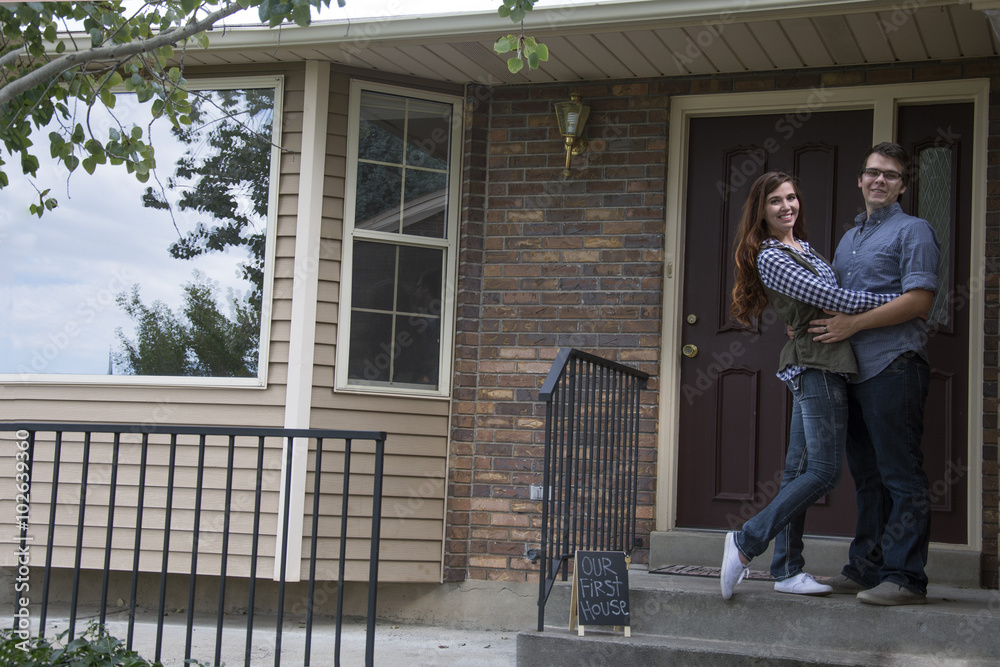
(393, 318)
(403, 149)
(164, 278)
(934, 204)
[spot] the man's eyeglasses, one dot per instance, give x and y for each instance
(889, 175)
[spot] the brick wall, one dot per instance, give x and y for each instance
(549, 263)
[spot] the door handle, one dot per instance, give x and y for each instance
(690, 351)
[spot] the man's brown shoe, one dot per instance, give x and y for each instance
(842, 585)
(888, 594)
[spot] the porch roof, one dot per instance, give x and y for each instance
(642, 38)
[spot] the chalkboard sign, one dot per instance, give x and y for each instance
(600, 590)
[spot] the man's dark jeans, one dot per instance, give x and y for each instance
(885, 427)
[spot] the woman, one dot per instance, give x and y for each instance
(775, 263)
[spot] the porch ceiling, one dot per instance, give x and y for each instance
(623, 40)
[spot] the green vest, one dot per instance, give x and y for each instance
(803, 350)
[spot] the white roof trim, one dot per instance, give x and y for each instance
(564, 19)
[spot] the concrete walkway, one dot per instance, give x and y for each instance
(396, 645)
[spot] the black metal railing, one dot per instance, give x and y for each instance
(61, 447)
(590, 480)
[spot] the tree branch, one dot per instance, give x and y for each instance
(68, 61)
(8, 58)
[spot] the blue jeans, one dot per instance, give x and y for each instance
(885, 428)
(812, 469)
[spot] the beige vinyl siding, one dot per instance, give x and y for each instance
(182, 504)
(414, 486)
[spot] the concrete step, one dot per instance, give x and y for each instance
(686, 617)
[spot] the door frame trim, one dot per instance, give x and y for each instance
(883, 100)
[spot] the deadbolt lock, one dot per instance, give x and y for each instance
(690, 351)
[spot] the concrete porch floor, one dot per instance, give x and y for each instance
(683, 620)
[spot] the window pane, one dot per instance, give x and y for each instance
(374, 281)
(418, 324)
(419, 343)
(371, 353)
(378, 195)
(162, 278)
(429, 135)
(934, 205)
(383, 123)
(420, 280)
(426, 203)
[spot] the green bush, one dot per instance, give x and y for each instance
(94, 648)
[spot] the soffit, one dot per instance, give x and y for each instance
(635, 40)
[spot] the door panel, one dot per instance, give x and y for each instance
(734, 411)
(939, 139)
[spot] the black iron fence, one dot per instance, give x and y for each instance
(589, 490)
(57, 448)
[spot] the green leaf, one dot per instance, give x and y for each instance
(543, 52)
(114, 80)
(517, 15)
(202, 40)
(502, 45)
(300, 15)
(108, 97)
(532, 60)
(503, 11)
(89, 164)
(514, 65)
(188, 6)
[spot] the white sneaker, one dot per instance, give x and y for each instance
(802, 584)
(733, 570)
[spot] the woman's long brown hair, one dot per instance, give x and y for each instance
(749, 298)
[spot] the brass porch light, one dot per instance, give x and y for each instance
(572, 116)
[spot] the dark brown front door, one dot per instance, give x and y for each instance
(939, 138)
(734, 412)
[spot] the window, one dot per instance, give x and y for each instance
(401, 221)
(163, 282)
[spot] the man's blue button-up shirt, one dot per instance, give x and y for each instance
(888, 252)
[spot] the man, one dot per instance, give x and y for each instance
(887, 251)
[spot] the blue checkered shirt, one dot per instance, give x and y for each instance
(783, 274)
(888, 252)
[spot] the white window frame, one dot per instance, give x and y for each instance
(260, 381)
(449, 244)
